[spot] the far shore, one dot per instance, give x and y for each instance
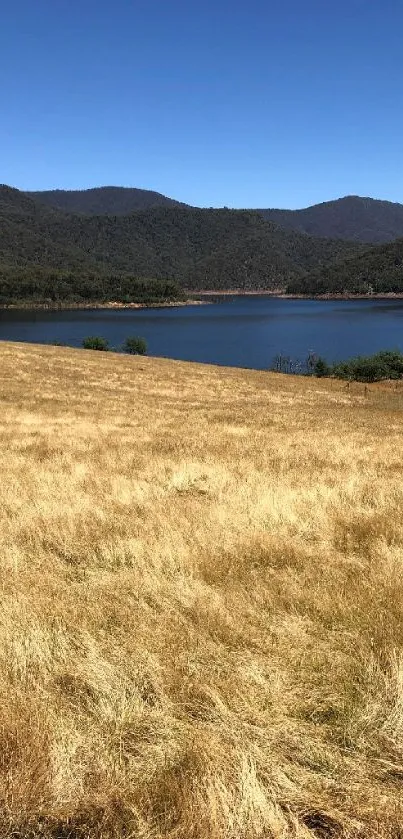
(112, 304)
(282, 294)
(237, 292)
(197, 298)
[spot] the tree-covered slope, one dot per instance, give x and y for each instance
(104, 200)
(378, 270)
(359, 219)
(26, 236)
(200, 249)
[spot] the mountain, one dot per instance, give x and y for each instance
(199, 249)
(359, 219)
(103, 200)
(377, 270)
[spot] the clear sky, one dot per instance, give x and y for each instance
(244, 103)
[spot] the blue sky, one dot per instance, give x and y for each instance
(246, 104)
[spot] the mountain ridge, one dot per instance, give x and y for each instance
(103, 200)
(366, 220)
(352, 217)
(198, 248)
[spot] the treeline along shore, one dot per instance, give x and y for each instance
(164, 254)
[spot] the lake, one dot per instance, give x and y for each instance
(239, 331)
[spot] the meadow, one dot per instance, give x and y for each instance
(201, 624)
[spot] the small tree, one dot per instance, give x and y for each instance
(94, 342)
(135, 345)
(321, 368)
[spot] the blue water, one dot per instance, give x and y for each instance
(240, 331)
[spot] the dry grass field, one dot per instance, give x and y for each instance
(201, 624)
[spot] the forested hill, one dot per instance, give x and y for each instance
(377, 270)
(359, 219)
(200, 249)
(104, 200)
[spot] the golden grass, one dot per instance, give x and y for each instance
(201, 624)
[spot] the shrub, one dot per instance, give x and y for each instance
(322, 368)
(94, 342)
(362, 369)
(393, 359)
(386, 364)
(371, 369)
(135, 345)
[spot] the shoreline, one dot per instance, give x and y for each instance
(196, 301)
(112, 304)
(387, 295)
(264, 292)
(280, 293)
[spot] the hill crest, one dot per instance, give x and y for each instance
(361, 219)
(353, 217)
(103, 200)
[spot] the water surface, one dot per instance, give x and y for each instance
(240, 331)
